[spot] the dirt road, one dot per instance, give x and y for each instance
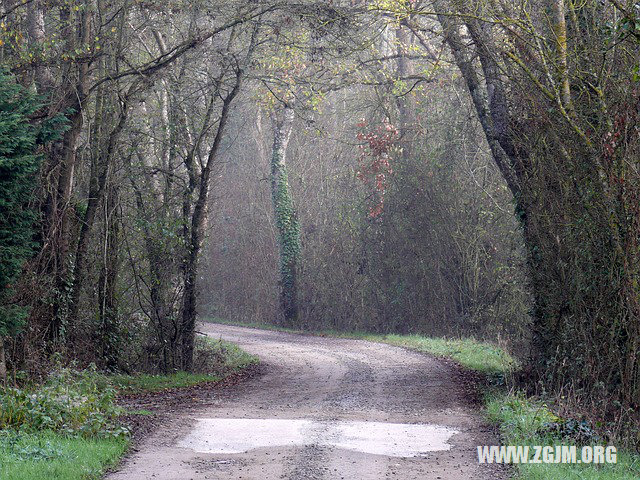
(325, 408)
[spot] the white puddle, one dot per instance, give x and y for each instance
(239, 435)
(392, 439)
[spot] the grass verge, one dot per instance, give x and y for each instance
(472, 354)
(55, 456)
(520, 420)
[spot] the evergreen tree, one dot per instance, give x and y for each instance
(19, 138)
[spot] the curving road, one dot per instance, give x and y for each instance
(325, 408)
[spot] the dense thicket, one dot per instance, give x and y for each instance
(555, 90)
(444, 167)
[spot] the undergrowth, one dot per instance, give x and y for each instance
(527, 421)
(63, 429)
(67, 427)
(214, 360)
(71, 402)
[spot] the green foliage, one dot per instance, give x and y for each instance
(56, 456)
(40, 449)
(19, 138)
(232, 357)
(67, 428)
(518, 416)
(18, 167)
(70, 402)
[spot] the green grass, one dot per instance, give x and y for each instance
(521, 420)
(234, 357)
(472, 354)
(231, 359)
(56, 457)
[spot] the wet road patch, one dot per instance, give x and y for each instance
(239, 435)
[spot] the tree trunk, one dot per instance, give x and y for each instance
(61, 164)
(195, 236)
(287, 224)
(160, 315)
(482, 104)
(406, 105)
(560, 32)
(37, 37)
(108, 305)
(57, 221)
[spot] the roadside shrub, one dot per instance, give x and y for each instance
(209, 356)
(519, 416)
(79, 403)
(219, 357)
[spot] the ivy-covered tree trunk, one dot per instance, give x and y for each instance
(285, 215)
(3, 363)
(70, 97)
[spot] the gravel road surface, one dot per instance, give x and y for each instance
(324, 408)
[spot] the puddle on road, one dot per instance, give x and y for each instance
(239, 435)
(392, 439)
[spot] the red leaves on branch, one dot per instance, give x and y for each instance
(373, 164)
(611, 139)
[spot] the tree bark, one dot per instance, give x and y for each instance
(406, 105)
(560, 32)
(482, 105)
(70, 96)
(37, 35)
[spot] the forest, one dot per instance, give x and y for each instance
(449, 169)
